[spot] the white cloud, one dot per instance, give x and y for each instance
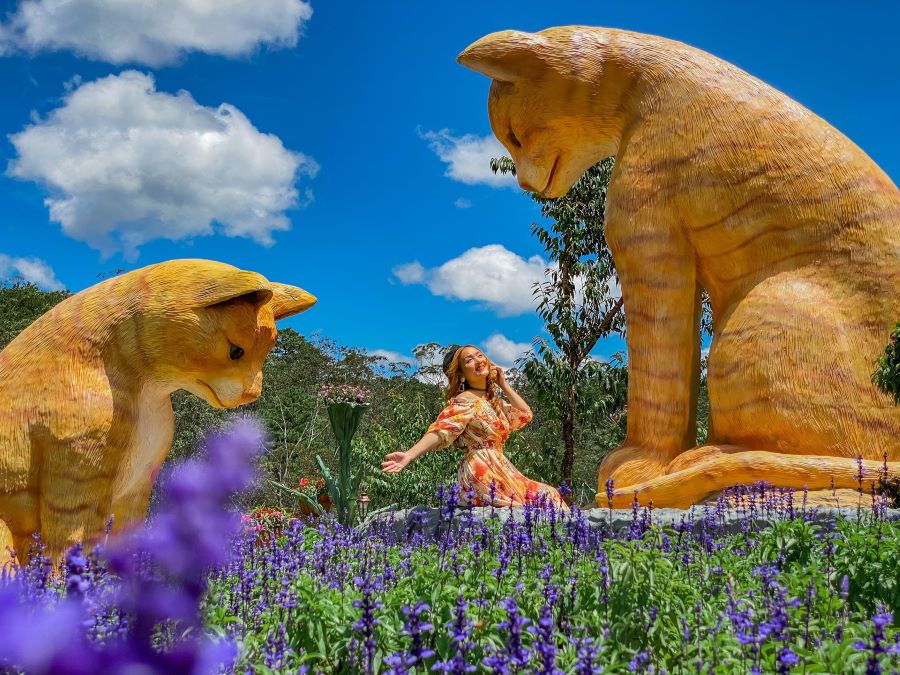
(462, 203)
(615, 290)
(503, 351)
(468, 157)
(125, 164)
(392, 357)
(425, 369)
(410, 273)
(153, 33)
(499, 348)
(496, 277)
(30, 269)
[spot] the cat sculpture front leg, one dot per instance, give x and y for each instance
(150, 438)
(657, 273)
(76, 499)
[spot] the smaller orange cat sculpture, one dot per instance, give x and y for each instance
(85, 412)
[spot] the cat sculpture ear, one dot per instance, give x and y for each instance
(234, 284)
(289, 300)
(508, 55)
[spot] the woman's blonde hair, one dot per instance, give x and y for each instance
(456, 384)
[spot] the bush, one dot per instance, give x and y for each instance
(887, 374)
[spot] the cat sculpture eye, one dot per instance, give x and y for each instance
(514, 140)
(236, 352)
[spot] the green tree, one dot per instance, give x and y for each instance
(577, 303)
(887, 373)
(537, 449)
(21, 302)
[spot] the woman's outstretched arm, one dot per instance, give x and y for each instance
(452, 421)
(395, 462)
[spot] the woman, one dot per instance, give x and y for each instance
(478, 422)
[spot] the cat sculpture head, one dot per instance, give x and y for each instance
(207, 327)
(559, 100)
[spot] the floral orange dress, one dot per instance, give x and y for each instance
(475, 426)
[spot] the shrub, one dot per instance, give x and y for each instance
(887, 374)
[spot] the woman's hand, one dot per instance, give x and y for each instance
(499, 376)
(395, 462)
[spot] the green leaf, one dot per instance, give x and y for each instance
(302, 496)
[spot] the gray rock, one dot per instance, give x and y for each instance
(427, 519)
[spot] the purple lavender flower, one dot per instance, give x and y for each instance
(638, 663)
(24, 638)
(586, 657)
(278, 655)
(162, 577)
(545, 642)
(398, 663)
(603, 565)
(190, 534)
(461, 635)
(786, 660)
(416, 628)
(859, 472)
(76, 569)
(514, 653)
(876, 647)
(450, 504)
(366, 625)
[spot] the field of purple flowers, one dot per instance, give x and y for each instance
(552, 595)
(197, 592)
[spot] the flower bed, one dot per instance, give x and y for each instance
(549, 593)
(541, 592)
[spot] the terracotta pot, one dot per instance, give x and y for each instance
(325, 501)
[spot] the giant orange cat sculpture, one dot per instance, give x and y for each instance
(85, 412)
(721, 182)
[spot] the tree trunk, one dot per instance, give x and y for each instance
(568, 462)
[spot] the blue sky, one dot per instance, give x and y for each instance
(349, 156)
